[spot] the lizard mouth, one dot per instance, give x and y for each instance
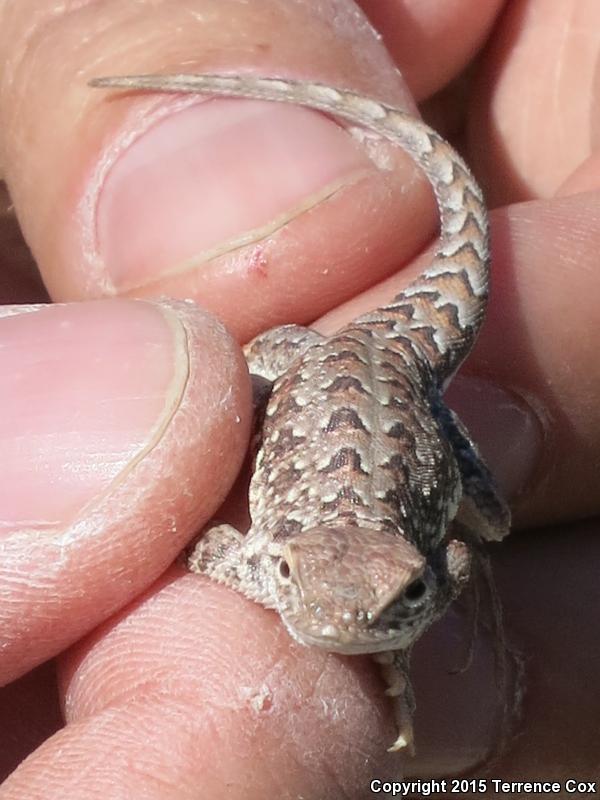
(348, 641)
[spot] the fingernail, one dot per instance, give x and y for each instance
(86, 390)
(463, 699)
(507, 430)
(216, 175)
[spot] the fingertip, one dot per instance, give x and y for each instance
(234, 706)
(283, 207)
(450, 33)
(130, 421)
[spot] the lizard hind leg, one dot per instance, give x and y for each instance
(394, 669)
(483, 514)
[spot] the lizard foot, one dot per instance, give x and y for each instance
(221, 554)
(217, 554)
(394, 668)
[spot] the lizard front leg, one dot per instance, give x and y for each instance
(222, 554)
(270, 353)
(394, 664)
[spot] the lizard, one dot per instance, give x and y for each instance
(367, 492)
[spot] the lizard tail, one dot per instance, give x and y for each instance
(441, 311)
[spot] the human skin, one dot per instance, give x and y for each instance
(199, 689)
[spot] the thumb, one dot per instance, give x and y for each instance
(212, 200)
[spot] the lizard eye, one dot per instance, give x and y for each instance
(416, 592)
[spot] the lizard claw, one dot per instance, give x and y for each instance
(404, 740)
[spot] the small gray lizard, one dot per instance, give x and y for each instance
(366, 487)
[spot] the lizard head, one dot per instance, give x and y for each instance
(355, 590)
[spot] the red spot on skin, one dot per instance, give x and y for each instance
(257, 264)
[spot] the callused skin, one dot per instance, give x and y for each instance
(362, 471)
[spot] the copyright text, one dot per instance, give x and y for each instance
(497, 786)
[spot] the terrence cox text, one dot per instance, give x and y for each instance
(483, 786)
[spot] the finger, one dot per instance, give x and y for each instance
(535, 105)
(155, 194)
(171, 687)
(124, 425)
(549, 592)
(586, 178)
(533, 379)
(449, 33)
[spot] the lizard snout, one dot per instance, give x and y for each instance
(353, 590)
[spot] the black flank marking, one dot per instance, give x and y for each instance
(428, 295)
(414, 343)
(286, 442)
(470, 197)
(351, 337)
(289, 474)
(408, 436)
(288, 404)
(400, 308)
(357, 333)
(346, 419)
(471, 219)
(345, 495)
(389, 365)
(388, 321)
(343, 458)
(389, 524)
(424, 336)
(395, 383)
(392, 498)
(397, 431)
(396, 463)
(406, 341)
(344, 383)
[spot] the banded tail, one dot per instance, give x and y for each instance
(443, 309)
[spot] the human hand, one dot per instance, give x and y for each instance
(168, 684)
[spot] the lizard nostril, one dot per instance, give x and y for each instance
(284, 569)
(416, 591)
